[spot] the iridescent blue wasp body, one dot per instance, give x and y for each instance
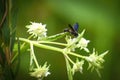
(73, 30)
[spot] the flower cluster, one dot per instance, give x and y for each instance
(77, 42)
(95, 61)
(78, 66)
(70, 43)
(82, 44)
(37, 30)
(40, 72)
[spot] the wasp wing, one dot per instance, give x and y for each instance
(71, 28)
(75, 27)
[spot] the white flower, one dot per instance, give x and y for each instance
(78, 66)
(82, 44)
(71, 43)
(40, 72)
(37, 30)
(95, 61)
(74, 43)
(77, 42)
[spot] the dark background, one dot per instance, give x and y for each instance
(100, 18)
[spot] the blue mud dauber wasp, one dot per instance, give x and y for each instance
(72, 29)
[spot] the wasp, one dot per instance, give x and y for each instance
(72, 29)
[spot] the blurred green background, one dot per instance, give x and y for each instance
(100, 18)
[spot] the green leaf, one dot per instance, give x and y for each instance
(13, 27)
(6, 33)
(2, 56)
(17, 61)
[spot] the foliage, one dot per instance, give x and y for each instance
(10, 54)
(7, 40)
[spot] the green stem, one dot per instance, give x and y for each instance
(42, 45)
(20, 49)
(66, 56)
(24, 42)
(34, 57)
(50, 47)
(9, 12)
(69, 73)
(48, 42)
(77, 55)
